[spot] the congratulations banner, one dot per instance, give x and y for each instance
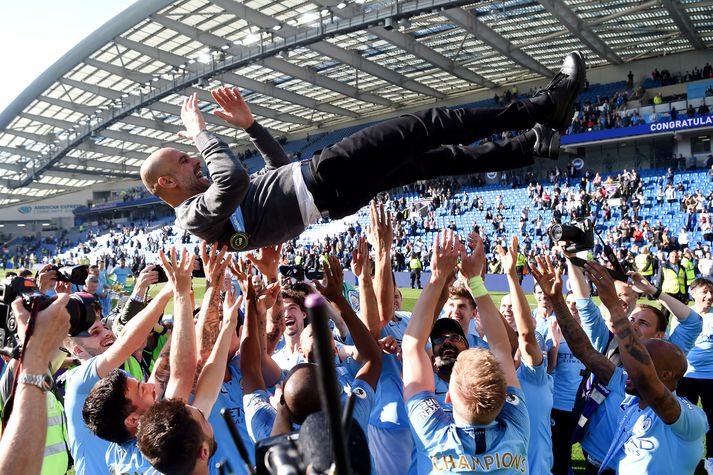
(655, 127)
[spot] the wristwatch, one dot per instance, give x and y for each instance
(42, 381)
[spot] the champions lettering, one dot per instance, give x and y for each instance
(482, 463)
(681, 124)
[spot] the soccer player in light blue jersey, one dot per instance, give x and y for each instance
(489, 430)
(537, 384)
(659, 432)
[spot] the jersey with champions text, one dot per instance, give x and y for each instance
(499, 447)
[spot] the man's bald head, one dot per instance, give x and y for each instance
(153, 168)
(669, 360)
(299, 391)
(173, 175)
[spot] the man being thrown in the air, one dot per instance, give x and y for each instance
(249, 212)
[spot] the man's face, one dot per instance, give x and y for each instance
(294, 318)
(461, 310)
(506, 311)
(398, 300)
(208, 435)
(122, 262)
(446, 348)
(94, 270)
(703, 296)
(142, 395)
(99, 340)
(543, 301)
(627, 295)
(257, 283)
(185, 171)
(674, 257)
(644, 322)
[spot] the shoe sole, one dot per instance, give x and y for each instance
(566, 121)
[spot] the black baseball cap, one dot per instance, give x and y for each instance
(446, 325)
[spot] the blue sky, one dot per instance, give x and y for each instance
(35, 33)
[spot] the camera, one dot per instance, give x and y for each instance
(162, 277)
(81, 307)
(578, 235)
(73, 274)
(299, 274)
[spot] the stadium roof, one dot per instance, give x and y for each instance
(97, 112)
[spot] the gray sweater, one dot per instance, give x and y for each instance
(267, 199)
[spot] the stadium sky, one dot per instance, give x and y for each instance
(36, 33)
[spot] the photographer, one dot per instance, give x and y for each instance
(26, 440)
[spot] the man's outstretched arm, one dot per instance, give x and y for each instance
(230, 180)
(235, 111)
(418, 371)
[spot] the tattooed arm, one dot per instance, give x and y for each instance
(550, 282)
(634, 355)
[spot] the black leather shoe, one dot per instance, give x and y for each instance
(563, 90)
(547, 142)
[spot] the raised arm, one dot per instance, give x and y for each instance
(380, 235)
(550, 282)
(235, 111)
(365, 343)
(530, 351)
(23, 440)
(471, 266)
(679, 309)
(417, 367)
(208, 323)
(250, 366)
(213, 373)
(134, 333)
(182, 355)
(368, 304)
(634, 355)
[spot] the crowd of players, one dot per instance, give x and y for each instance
(459, 385)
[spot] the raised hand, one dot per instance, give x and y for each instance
(604, 282)
(446, 246)
(234, 109)
(179, 273)
(389, 345)
(333, 281)
(509, 259)
(360, 259)
(267, 297)
(213, 262)
(549, 279)
(192, 118)
(640, 284)
(147, 276)
(241, 269)
(231, 303)
(267, 260)
(473, 265)
(555, 331)
(380, 232)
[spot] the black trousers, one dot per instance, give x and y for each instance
(563, 424)
(420, 146)
(692, 389)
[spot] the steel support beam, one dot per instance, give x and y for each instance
(684, 23)
(495, 40)
(580, 29)
(326, 48)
